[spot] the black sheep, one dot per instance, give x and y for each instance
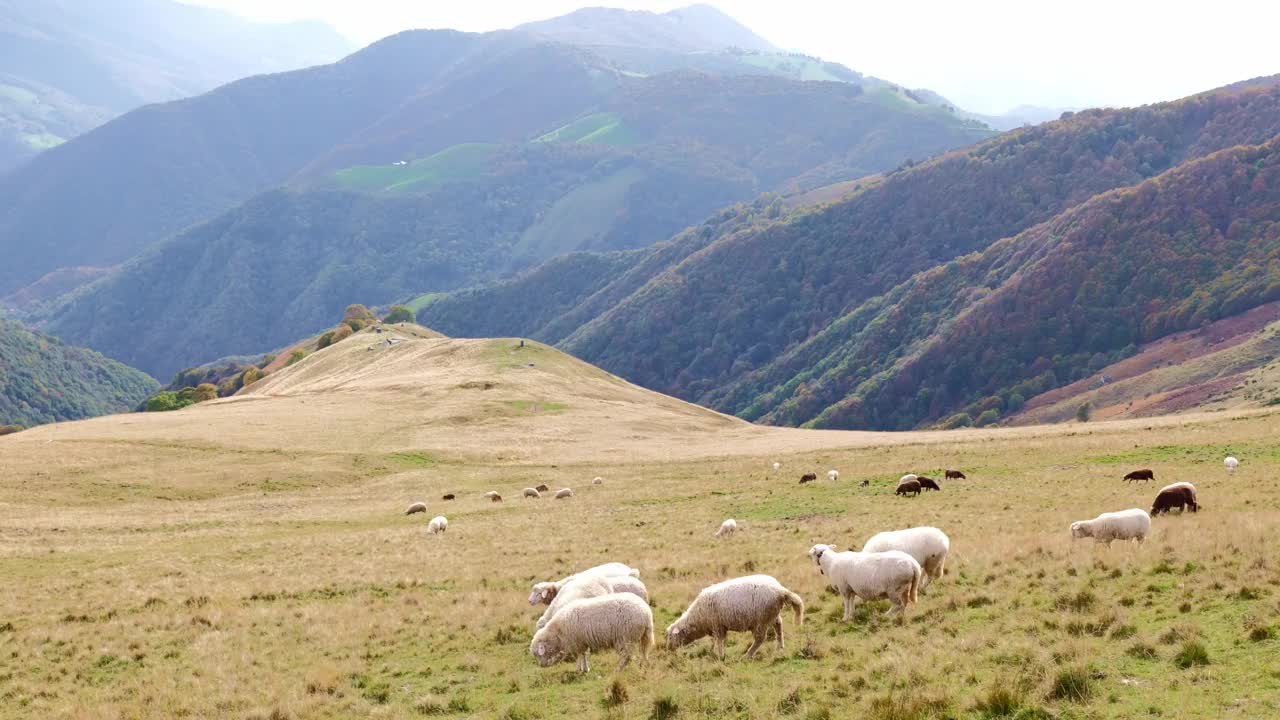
(808, 478)
(1180, 495)
(1143, 474)
(927, 483)
(908, 487)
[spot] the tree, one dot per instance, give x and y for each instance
(1085, 411)
(987, 418)
(205, 392)
(165, 401)
(400, 314)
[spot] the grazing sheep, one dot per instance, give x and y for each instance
(955, 475)
(532, 493)
(563, 493)
(542, 488)
(618, 620)
(1178, 495)
(438, 524)
(582, 586)
(833, 474)
(416, 508)
(777, 466)
(597, 481)
(727, 528)
(545, 592)
(1231, 463)
(808, 478)
(747, 604)
(449, 496)
(864, 483)
(628, 584)
(928, 545)
(493, 496)
(927, 483)
(1143, 474)
(1131, 524)
(907, 477)
(892, 575)
(908, 487)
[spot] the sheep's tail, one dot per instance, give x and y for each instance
(796, 603)
(646, 641)
(914, 590)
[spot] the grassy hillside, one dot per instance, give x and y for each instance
(763, 322)
(266, 531)
(454, 164)
(43, 380)
(70, 66)
(689, 29)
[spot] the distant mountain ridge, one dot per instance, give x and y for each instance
(688, 29)
(66, 66)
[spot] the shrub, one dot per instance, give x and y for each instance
(664, 708)
(958, 420)
(10, 429)
(166, 401)
(205, 392)
(359, 312)
(342, 332)
(295, 357)
(1261, 633)
(1084, 413)
(251, 376)
(325, 340)
(400, 314)
(1192, 653)
(988, 417)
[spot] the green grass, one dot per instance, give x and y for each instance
(605, 128)
(467, 161)
(412, 459)
(42, 141)
(422, 301)
(585, 213)
(797, 68)
(538, 407)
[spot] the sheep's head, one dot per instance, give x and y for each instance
(1081, 529)
(678, 634)
(545, 649)
(543, 593)
(817, 551)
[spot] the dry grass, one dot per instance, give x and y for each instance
(248, 558)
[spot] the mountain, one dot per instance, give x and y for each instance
(68, 66)
(862, 313)
(43, 380)
(689, 29)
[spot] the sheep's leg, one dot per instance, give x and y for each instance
(777, 627)
(624, 656)
(719, 643)
(758, 637)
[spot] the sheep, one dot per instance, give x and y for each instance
(582, 586)
(907, 477)
(1131, 524)
(727, 528)
(808, 478)
(418, 507)
(892, 575)
(833, 475)
(1143, 474)
(438, 524)
(618, 620)
(751, 604)
(1180, 495)
(563, 493)
(493, 496)
(542, 488)
(777, 466)
(908, 487)
(955, 475)
(448, 496)
(628, 584)
(597, 481)
(928, 545)
(1231, 464)
(927, 483)
(865, 483)
(545, 592)
(532, 493)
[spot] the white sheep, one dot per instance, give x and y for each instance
(618, 620)
(1131, 524)
(544, 592)
(628, 584)
(597, 481)
(532, 493)
(928, 545)
(418, 507)
(583, 586)
(777, 466)
(1231, 463)
(833, 474)
(563, 493)
(908, 477)
(747, 604)
(438, 524)
(492, 494)
(891, 575)
(727, 528)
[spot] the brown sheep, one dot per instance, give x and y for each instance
(542, 488)
(908, 487)
(447, 497)
(808, 478)
(864, 483)
(495, 498)
(927, 483)
(1178, 495)
(955, 475)
(1143, 474)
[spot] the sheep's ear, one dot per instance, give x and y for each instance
(675, 631)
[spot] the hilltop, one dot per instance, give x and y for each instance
(71, 66)
(43, 380)
(688, 29)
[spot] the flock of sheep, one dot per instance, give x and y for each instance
(440, 523)
(607, 606)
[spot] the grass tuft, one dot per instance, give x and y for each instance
(1193, 653)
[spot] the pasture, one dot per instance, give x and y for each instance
(250, 558)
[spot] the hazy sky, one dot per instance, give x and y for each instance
(985, 55)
